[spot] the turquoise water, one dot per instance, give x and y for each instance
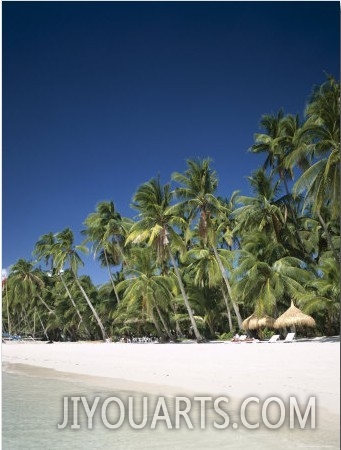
(32, 406)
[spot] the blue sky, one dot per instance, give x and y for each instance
(99, 97)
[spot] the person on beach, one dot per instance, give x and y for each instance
(235, 338)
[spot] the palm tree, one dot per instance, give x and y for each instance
(144, 283)
(276, 142)
(266, 276)
(320, 143)
(75, 319)
(155, 227)
(260, 211)
(197, 196)
(279, 141)
(324, 298)
(27, 282)
(205, 272)
(45, 250)
(203, 267)
(66, 253)
(104, 230)
(321, 134)
(208, 307)
(224, 222)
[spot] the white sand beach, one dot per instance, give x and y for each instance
(300, 369)
(236, 371)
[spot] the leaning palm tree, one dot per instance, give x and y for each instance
(277, 142)
(45, 250)
(26, 283)
(144, 283)
(224, 222)
(204, 270)
(155, 228)
(196, 194)
(321, 136)
(262, 210)
(324, 297)
(320, 143)
(104, 231)
(67, 253)
(266, 276)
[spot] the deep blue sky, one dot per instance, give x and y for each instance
(99, 97)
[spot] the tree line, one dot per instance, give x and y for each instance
(195, 264)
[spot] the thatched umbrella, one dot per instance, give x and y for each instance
(294, 317)
(246, 322)
(266, 322)
(254, 322)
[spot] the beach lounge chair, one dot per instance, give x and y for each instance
(290, 337)
(274, 338)
(238, 339)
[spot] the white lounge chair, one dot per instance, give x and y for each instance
(290, 337)
(274, 338)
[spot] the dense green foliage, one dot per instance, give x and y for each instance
(194, 264)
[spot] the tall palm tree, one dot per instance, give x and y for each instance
(320, 143)
(224, 223)
(262, 210)
(155, 228)
(144, 282)
(275, 142)
(67, 253)
(279, 141)
(266, 276)
(196, 194)
(45, 250)
(324, 298)
(321, 136)
(104, 230)
(204, 270)
(27, 283)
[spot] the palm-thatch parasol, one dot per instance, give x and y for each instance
(266, 322)
(246, 322)
(254, 322)
(294, 317)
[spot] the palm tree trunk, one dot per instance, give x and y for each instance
(7, 306)
(227, 309)
(74, 304)
(34, 323)
(27, 325)
(184, 295)
(179, 333)
(169, 334)
(294, 218)
(45, 332)
(222, 270)
(110, 275)
(157, 326)
(100, 324)
(329, 240)
(45, 304)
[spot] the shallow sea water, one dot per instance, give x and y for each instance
(32, 406)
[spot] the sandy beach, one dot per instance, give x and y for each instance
(300, 369)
